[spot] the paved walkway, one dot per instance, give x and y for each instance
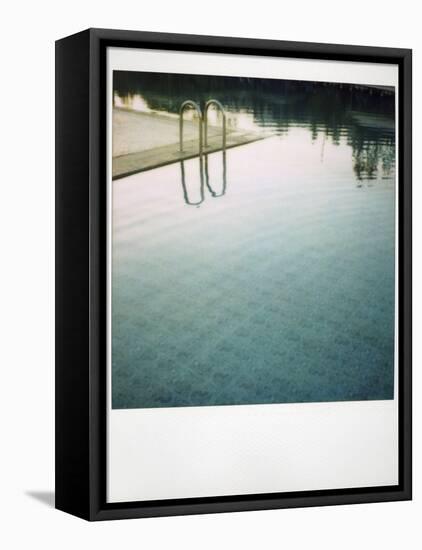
(142, 141)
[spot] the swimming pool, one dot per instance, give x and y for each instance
(279, 290)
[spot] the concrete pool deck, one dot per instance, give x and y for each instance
(143, 141)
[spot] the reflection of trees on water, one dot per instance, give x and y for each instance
(368, 158)
(324, 108)
(373, 153)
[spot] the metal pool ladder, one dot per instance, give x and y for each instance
(202, 122)
(185, 105)
(223, 112)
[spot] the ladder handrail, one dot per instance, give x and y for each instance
(201, 188)
(195, 106)
(223, 112)
(207, 177)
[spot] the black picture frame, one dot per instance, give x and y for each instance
(81, 277)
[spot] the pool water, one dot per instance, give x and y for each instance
(275, 286)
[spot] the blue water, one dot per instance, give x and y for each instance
(281, 290)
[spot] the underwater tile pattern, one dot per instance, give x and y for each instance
(279, 291)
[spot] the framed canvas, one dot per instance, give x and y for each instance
(233, 281)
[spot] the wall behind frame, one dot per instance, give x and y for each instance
(27, 276)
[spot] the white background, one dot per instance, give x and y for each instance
(27, 283)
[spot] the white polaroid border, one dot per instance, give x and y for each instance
(185, 452)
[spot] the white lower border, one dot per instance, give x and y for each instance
(208, 451)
